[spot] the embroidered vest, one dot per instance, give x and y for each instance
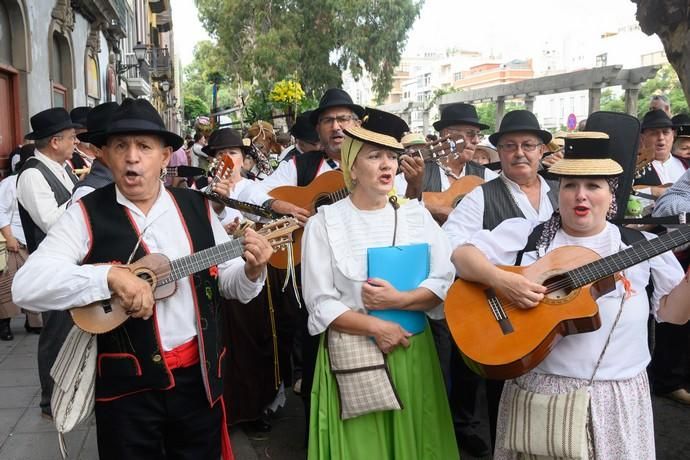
(34, 235)
(130, 358)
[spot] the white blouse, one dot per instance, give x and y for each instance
(576, 355)
(334, 256)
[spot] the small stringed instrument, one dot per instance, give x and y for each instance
(455, 193)
(183, 171)
(500, 341)
(162, 273)
(329, 187)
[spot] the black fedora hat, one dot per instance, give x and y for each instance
(335, 97)
(457, 114)
(49, 122)
(656, 119)
(520, 121)
(79, 115)
(303, 129)
(224, 139)
(97, 121)
(138, 116)
(682, 119)
(380, 128)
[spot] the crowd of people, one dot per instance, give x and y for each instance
(356, 323)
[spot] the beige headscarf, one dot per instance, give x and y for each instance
(348, 153)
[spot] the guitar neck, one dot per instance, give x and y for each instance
(607, 266)
(243, 206)
(193, 263)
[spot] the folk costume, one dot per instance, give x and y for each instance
(159, 381)
(338, 237)
(621, 414)
(660, 172)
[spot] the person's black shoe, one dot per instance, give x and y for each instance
(31, 329)
(473, 444)
(5, 331)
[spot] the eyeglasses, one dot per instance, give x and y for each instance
(512, 148)
(467, 133)
(341, 119)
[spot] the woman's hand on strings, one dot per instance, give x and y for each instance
(518, 290)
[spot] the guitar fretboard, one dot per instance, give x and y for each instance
(185, 266)
(607, 266)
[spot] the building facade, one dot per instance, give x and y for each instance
(71, 53)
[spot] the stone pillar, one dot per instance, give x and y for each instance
(529, 103)
(500, 110)
(631, 94)
(594, 99)
(425, 121)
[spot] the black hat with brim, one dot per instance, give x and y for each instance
(681, 123)
(586, 154)
(380, 128)
(656, 119)
(50, 122)
(303, 129)
(79, 115)
(138, 116)
(225, 138)
(335, 97)
(520, 121)
(459, 114)
(97, 121)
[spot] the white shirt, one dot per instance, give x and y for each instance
(468, 216)
(81, 192)
(286, 174)
(53, 279)
(401, 182)
(9, 208)
(669, 171)
(576, 355)
(36, 196)
(334, 256)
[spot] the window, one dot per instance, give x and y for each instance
(60, 71)
(93, 89)
(601, 60)
(427, 79)
(457, 76)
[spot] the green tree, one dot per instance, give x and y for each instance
(487, 113)
(264, 41)
(194, 107)
(665, 82)
(612, 102)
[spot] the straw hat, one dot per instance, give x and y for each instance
(493, 154)
(411, 139)
(586, 154)
(380, 128)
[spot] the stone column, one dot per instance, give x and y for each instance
(500, 110)
(529, 103)
(594, 99)
(631, 94)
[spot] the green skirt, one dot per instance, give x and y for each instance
(422, 430)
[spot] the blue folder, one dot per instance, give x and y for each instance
(405, 267)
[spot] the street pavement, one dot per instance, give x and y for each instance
(25, 435)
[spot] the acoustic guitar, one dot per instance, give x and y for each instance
(456, 192)
(162, 273)
(329, 187)
(500, 341)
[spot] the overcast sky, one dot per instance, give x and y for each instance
(515, 29)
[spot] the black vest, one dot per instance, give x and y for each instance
(308, 165)
(34, 235)
(98, 177)
(648, 177)
(474, 169)
(130, 358)
(500, 205)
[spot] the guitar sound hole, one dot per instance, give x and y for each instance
(322, 200)
(146, 276)
(559, 287)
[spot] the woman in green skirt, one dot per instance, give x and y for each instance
(386, 398)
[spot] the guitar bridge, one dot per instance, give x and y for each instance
(498, 311)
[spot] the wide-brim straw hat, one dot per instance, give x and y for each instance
(413, 139)
(380, 128)
(586, 154)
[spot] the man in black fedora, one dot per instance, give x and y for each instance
(44, 187)
(82, 157)
(518, 192)
(656, 135)
(306, 137)
(99, 175)
(159, 378)
(681, 143)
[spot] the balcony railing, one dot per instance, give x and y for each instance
(160, 63)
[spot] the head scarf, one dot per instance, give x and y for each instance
(348, 153)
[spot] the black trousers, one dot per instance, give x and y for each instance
(175, 424)
(670, 364)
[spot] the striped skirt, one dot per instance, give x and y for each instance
(621, 415)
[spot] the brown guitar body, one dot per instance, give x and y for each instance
(455, 193)
(104, 316)
(310, 198)
(493, 352)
